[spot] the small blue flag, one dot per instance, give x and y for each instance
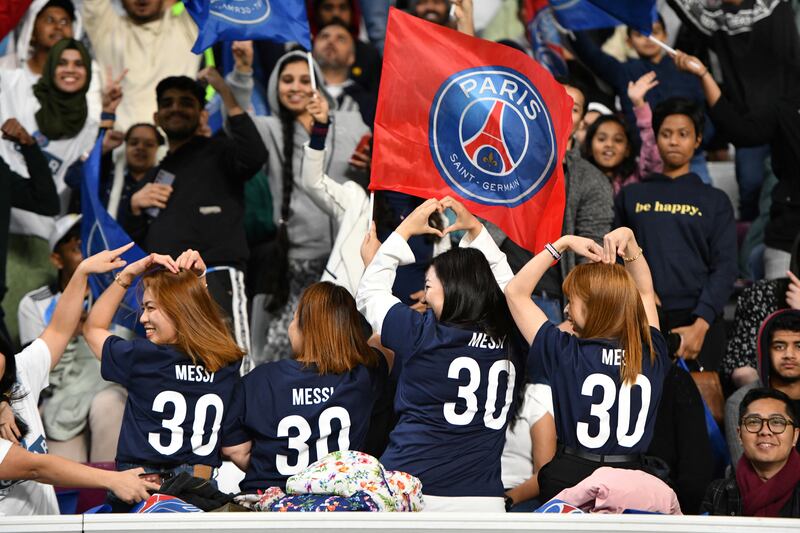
(590, 14)
(101, 232)
(242, 20)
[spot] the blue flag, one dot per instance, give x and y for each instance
(590, 14)
(101, 232)
(242, 20)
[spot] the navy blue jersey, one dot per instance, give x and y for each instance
(593, 410)
(294, 416)
(454, 394)
(175, 408)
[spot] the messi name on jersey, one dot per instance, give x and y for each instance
(491, 136)
(311, 395)
(195, 373)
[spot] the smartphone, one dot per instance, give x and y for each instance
(164, 178)
(364, 142)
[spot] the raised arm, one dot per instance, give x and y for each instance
(649, 157)
(527, 315)
(69, 309)
(95, 329)
(38, 192)
(374, 297)
(621, 242)
(478, 237)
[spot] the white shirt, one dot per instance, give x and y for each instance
(30, 497)
(517, 460)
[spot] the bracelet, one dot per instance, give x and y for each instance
(704, 73)
(203, 274)
(108, 116)
(634, 258)
(118, 280)
(552, 249)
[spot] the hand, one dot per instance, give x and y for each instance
(370, 245)
(419, 297)
(191, 260)
(14, 132)
(638, 89)
(318, 108)
(111, 140)
(141, 266)
(129, 487)
(104, 261)
(151, 195)
(692, 338)
(793, 293)
(362, 159)
(8, 424)
(689, 64)
(584, 247)
(619, 242)
(417, 222)
(212, 76)
(112, 92)
(463, 15)
(243, 55)
(464, 219)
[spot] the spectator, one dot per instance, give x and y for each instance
(588, 212)
(755, 304)
(616, 346)
(375, 14)
(439, 11)
(687, 229)
(777, 123)
(304, 233)
(758, 49)
(201, 203)
(652, 60)
(24, 377)
(334, 375)
(142, 142)
(151, 41)
(767, 479)
(81, 412)
(594, 110)
(440, 357)
(366, 66)
(55, 110)
(608, 146)
(189, 362)
(530, 444)
(778, 366)
(334, 51)
(36, 193)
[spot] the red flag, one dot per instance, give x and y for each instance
(477, 120)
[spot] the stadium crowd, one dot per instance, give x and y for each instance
(285, 314)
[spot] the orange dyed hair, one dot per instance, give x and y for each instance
(614, 310)
(333, 338)
(202, 332)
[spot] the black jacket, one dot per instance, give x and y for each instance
(723, 499)
(688, 235)
(206, 209)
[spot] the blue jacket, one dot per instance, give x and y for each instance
(688, 235)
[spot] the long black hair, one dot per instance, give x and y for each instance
(9, 391)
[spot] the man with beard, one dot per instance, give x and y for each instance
(196, 193)
(778, 368)
(152, 42)
(334, 50)
(438, 12)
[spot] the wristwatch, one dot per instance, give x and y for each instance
(509, 503)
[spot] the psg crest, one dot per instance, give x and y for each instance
(491, 136)
(241, 11)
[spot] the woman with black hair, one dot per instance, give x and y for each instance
(304, 232)
(457, 363)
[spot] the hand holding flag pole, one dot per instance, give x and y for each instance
(668, 49)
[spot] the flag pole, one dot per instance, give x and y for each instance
(311, 72)
(668, 49)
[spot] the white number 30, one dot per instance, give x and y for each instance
(198, 427)
(467, 392)
(600, 411)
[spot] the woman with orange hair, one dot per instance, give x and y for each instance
(288, 414)
(606, 379)
(180, 378)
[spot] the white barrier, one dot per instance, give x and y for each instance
(391, 523)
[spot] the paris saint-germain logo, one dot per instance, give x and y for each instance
(241, 11)
(491, 136)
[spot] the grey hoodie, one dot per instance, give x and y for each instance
(311, 231)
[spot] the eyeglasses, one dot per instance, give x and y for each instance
(776, 424)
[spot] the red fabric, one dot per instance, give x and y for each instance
(11, 12)
(767, 498)
(419, 60)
